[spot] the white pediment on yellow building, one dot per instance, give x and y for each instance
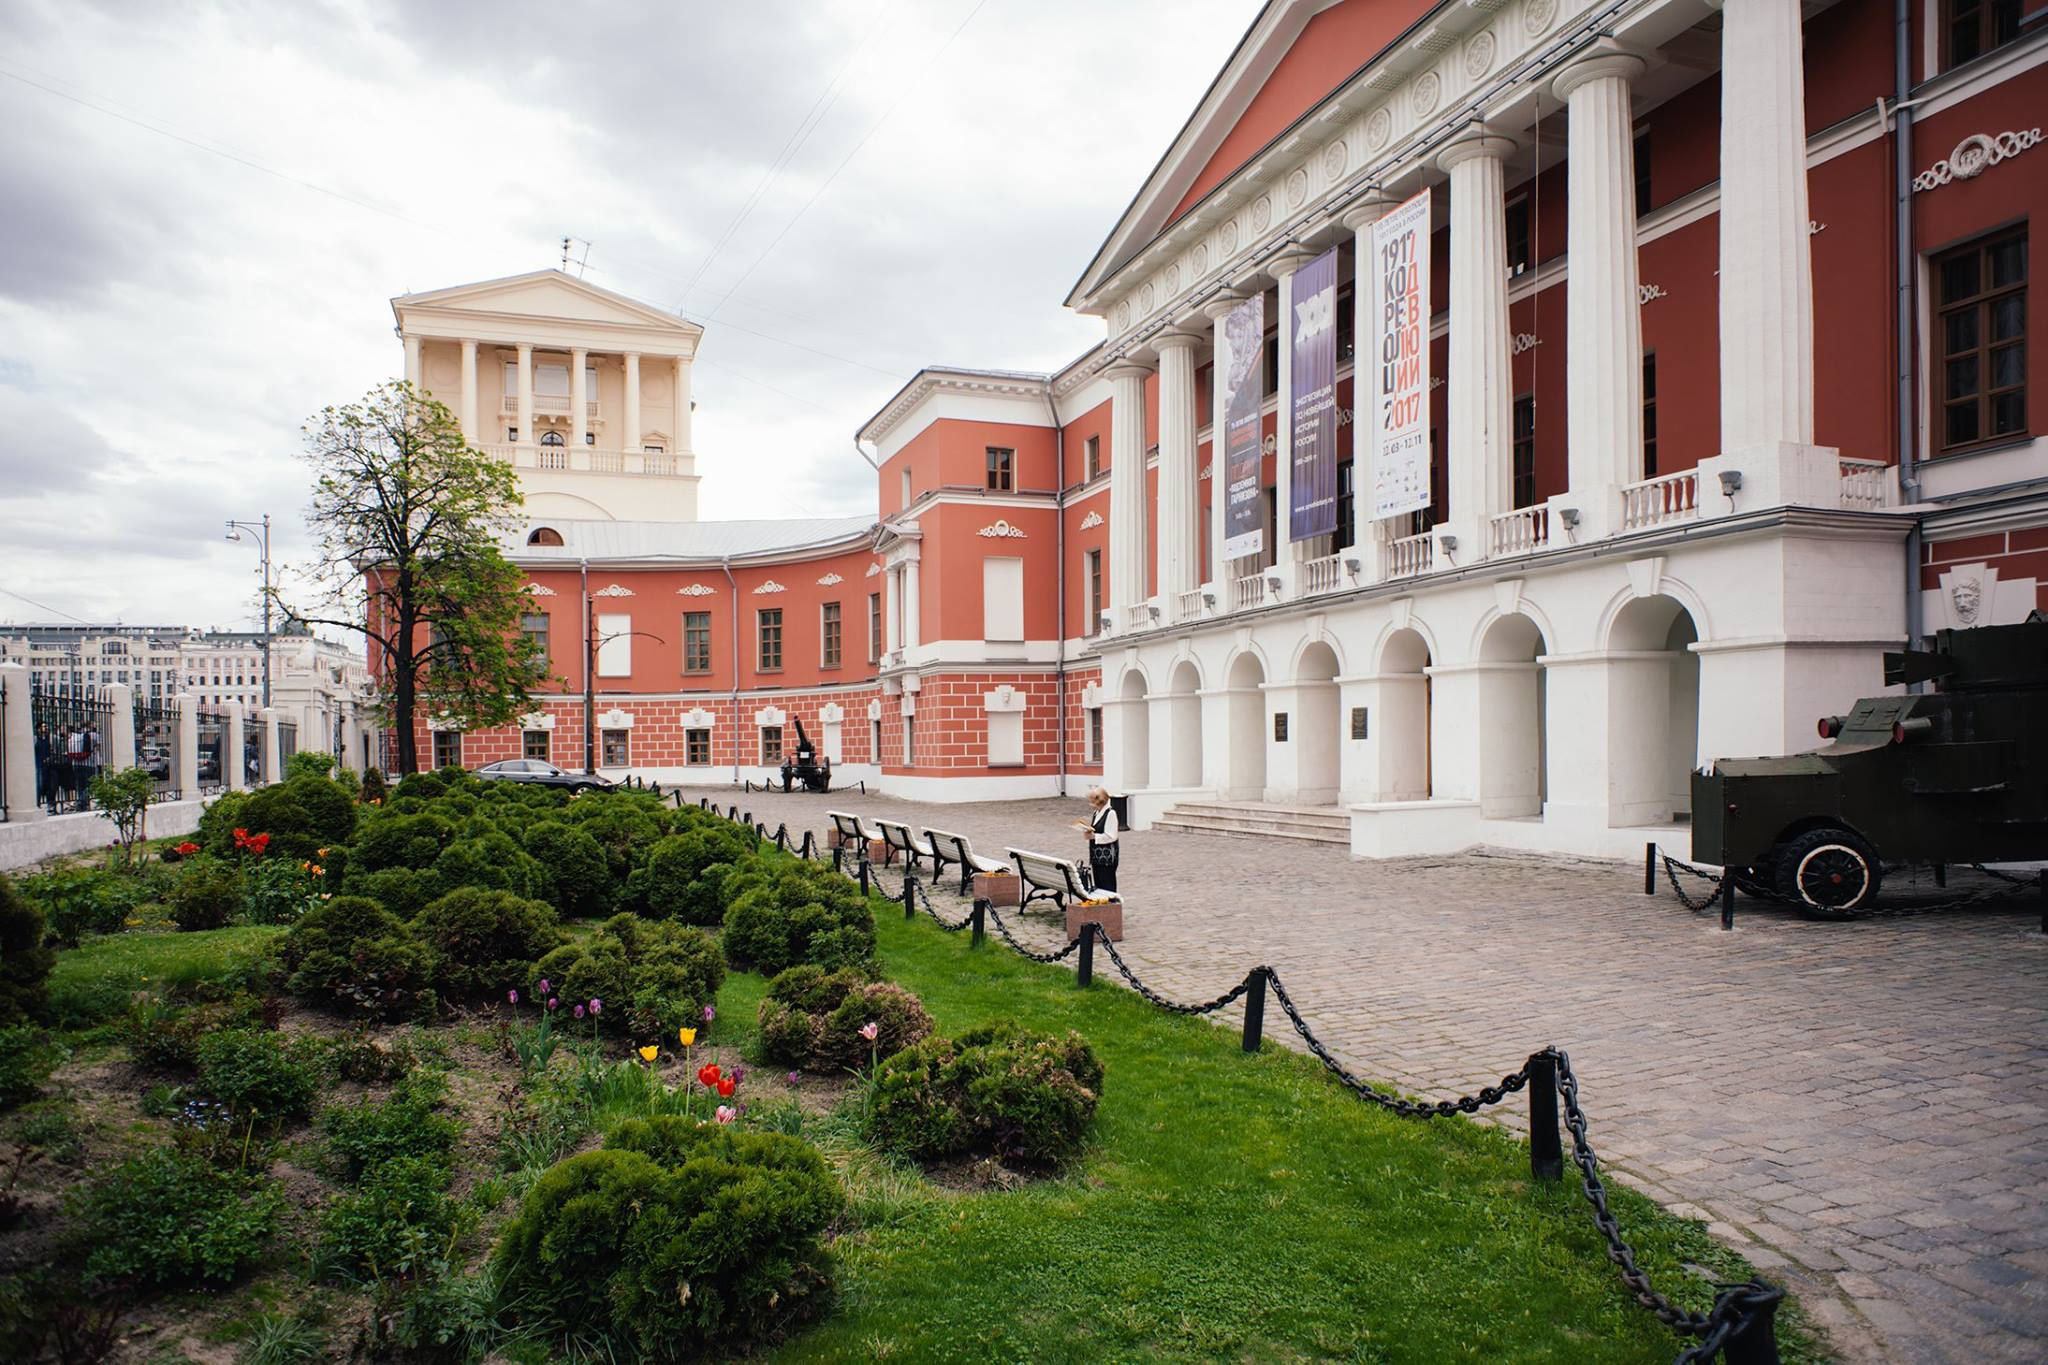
(545, 306)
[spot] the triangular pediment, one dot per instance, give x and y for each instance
(544, 295)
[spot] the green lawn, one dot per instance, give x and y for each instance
(1234, 1207)
(92, 982)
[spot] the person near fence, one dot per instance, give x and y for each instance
(85, 762)
(1102, 828)
(57, 779)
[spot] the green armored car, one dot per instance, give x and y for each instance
(1958, 775)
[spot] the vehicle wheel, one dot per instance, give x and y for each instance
(1829, 872)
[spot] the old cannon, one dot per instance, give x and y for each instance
(1958, 775)
(803, 767)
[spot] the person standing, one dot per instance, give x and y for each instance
(1103, 847)
(45, 796)
(86, 763)
(62, 774)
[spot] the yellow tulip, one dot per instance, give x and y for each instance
(688, 1035)
(649, 1053)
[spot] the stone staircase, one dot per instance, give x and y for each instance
(1260, 820)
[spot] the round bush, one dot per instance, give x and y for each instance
(426, 785)
(595, 969)
(798, 913)
(172, 1218)
(492, 861)
(624, 829)
(606, 1242)
(812, 1018)
(679, 880)
(24, 962)
(353, 953)
(484, 941)
(404, 891)
(397, 839)
(575, 866)
(676, 972)
(1024, 1098)
(208, 893)
(219, 821)
(259, 1075)
(301, 815)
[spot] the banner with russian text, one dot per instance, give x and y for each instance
(1399, 361)
(1312, 377)
(1244, 393)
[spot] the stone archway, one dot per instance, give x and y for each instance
(1244, 777)
(1184, 724)
(1653, 711)
(1136, 746)
(1403, 722)
(1513, 745)
(1317, 732)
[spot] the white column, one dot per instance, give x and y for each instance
(682, 408)
(18, 745)
(185, 753)
(1365, 338)
(234, 769)
(1218, 568)
(468, 413)
(120, 740)
(912, 619)
(579, 396)
(1180, 528)
(271, 768)
(1482, 405)
(412, 360)
(629, 430)
(526, 393)
(1285, 552)
(1127, 549)
(1603, 316)
(1766, 266)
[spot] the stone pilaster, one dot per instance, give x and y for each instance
(412, 360)
(579, 417)
(1218, 568)
(18, 745)
(185, 753)
(234, 766)
(1180, 531)
(120, 736)
(1127, 511)
(1481, 398)
(526, 393)
(680, 437)
(1285, 552)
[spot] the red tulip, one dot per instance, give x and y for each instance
(726, 1087)
(708, 1074)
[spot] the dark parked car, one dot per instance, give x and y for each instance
(539, 770)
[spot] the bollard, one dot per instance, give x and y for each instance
(1254, 1008)
(863, 872)
(839, 858)
(1650, 869)
(1727, 899)
(1755, 1342)
(909, 894)
(1086, 975)
(1546, 1154)
(978, 917)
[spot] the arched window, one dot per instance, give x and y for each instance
(544, 535)
(552, 438)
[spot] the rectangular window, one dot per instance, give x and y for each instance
(771, 744)
(1649, 414)
(534, 626)
(1091, 459)
(696, 642)
(1002, 470)
(906, 485)
(875, 739)
(1094, 593)
(1095, 735)
(1347, 504)
(1525, 450)
(1642, 160)
(614, 743)
(551, 379)
(770, 653)
(535, 744)
(447, 748)
(1981, 337)
(828, 641)
(1975, 27)
(697, 748)
(874, 626)
(615, 646)
(1347, 331)
(1005, 739)
(1518, 235)
(1002, 599)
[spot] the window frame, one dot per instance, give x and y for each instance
(540, 635)
(692, 737)
(696, 633)
(546, 746)
(1522, 469)
(1519, 209)
(771, 757)
(1094, 588)
(831, 647)
(1650, 414)
(1091, 458)
(1002, 469)
(874, 627)
(453, 741)
(1986, 36)
(1981, 305)
(624, 737)
(762, 638)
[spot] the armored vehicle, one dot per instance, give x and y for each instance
(803, 767)
(1958, 775)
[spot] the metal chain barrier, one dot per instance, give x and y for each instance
(1141, 988)
(1673, 867)
(924, 898)
(995, 917)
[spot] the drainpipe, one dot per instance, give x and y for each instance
(734, 584)
(589, 676)
(1059, 545)
(1907, 259)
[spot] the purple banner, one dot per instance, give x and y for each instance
(1244, 393)
(1312, 498)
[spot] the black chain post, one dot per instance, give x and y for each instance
(1727, 900)
(979, 918)
(863, 872)
(839, 858)
(1254, 1008)
(1086, 975)
(1546, 1151)
(909, 894)
(1650, 869)
(1755, 1341)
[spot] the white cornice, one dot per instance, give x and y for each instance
(973, 383)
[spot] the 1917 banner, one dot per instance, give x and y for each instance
(1399, 362)
(1312, 499)
(1244, 393)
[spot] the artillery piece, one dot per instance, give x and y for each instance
(1959, 775)
(803, 767)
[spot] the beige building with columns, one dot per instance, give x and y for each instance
(584, 391)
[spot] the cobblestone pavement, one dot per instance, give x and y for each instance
(1859, 1108)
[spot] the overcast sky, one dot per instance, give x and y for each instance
(205, 209)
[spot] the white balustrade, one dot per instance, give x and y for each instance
(524, 456)
(1411, 555)
(1322, 575)
(1188, 606)
(1137, 616)
(1248, 592)
(551, 457)
(1654, 502)
(1520, 532)
(608, 461)
(1865, 484)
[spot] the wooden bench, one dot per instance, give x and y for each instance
(855, 835)
(948, 847)
(1047, 878)
(901, 839)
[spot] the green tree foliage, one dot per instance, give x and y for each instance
(123, 797)
(409, 519)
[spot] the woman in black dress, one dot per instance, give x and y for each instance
(1103, 848)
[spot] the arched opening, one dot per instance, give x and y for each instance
(1246, 778)
(1403, 722)
(1513, 745)
(544, 535)
(552, 439)
(1184, 719)
(1315, 682)
(1654, 711)
(1137, 733)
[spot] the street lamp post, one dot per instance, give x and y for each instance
(261, 531)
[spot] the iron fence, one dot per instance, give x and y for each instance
(213, 745)
(252, 754)
(156, 747)
(71, 726)
(287, 743)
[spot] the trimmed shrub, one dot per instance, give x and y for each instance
(26, 1060)
(77, 901)
(483, 942)
(625, 829)
(173, 1218)
(676, 974)
(260, 1075)
(208, 893)
(576, 868)
(352, 953)
(1024, 1098)
(309, 763)
(796, 912)
(577, 973)
(24, 962)
(399, 1206)
(404, 891)
(301, 815)
(408, 1124)
(375, 790)
(812, 1018)
(397, 839)
(603, 1241)
(219, 821)
(679, 881)
(425, 785)
(491, 860)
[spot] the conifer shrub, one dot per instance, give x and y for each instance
(790, 912)
(490, 860)
(399, 839)
(209, 893)
(813, 1019)
(686, 873)
(651, 977)
(302, 815)
(24, 961)
(577, 872)
(482, 941)
(351, 953)
(999, 1090)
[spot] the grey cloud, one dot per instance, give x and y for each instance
(44, 449)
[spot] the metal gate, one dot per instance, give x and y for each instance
(71, 727)
(156, 747)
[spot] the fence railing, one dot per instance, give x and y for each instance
(287, 743)
(1672, 497)
(1864, 484)
(156, 747)
(72, 726)
(213, 752)
(1189, 605)
(1248, 592)
(1520, 532)
(1741, 1325)
(1325, 574)
(1411, 555)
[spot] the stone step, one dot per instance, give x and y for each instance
(1308, 824)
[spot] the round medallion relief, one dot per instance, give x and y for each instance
(1262, 213)
(441, 373)
(1145, 300)
(1479, 55)
(1297, 187)
(653, 388)
(1198, 261)
(1538, 15)
(1170, 281)
(1429, 88)
(1379, 126)
(1230, 236)
(1335, 157)
(1123, 316)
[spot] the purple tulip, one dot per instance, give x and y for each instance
(512, 996)
(795, 1076)
(709, 1014)
(579, 1011)
(544, 986)
(739, 1073)
(596, 1005)
(552, 1002)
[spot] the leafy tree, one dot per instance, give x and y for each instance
(123, 797)
(408, 519)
